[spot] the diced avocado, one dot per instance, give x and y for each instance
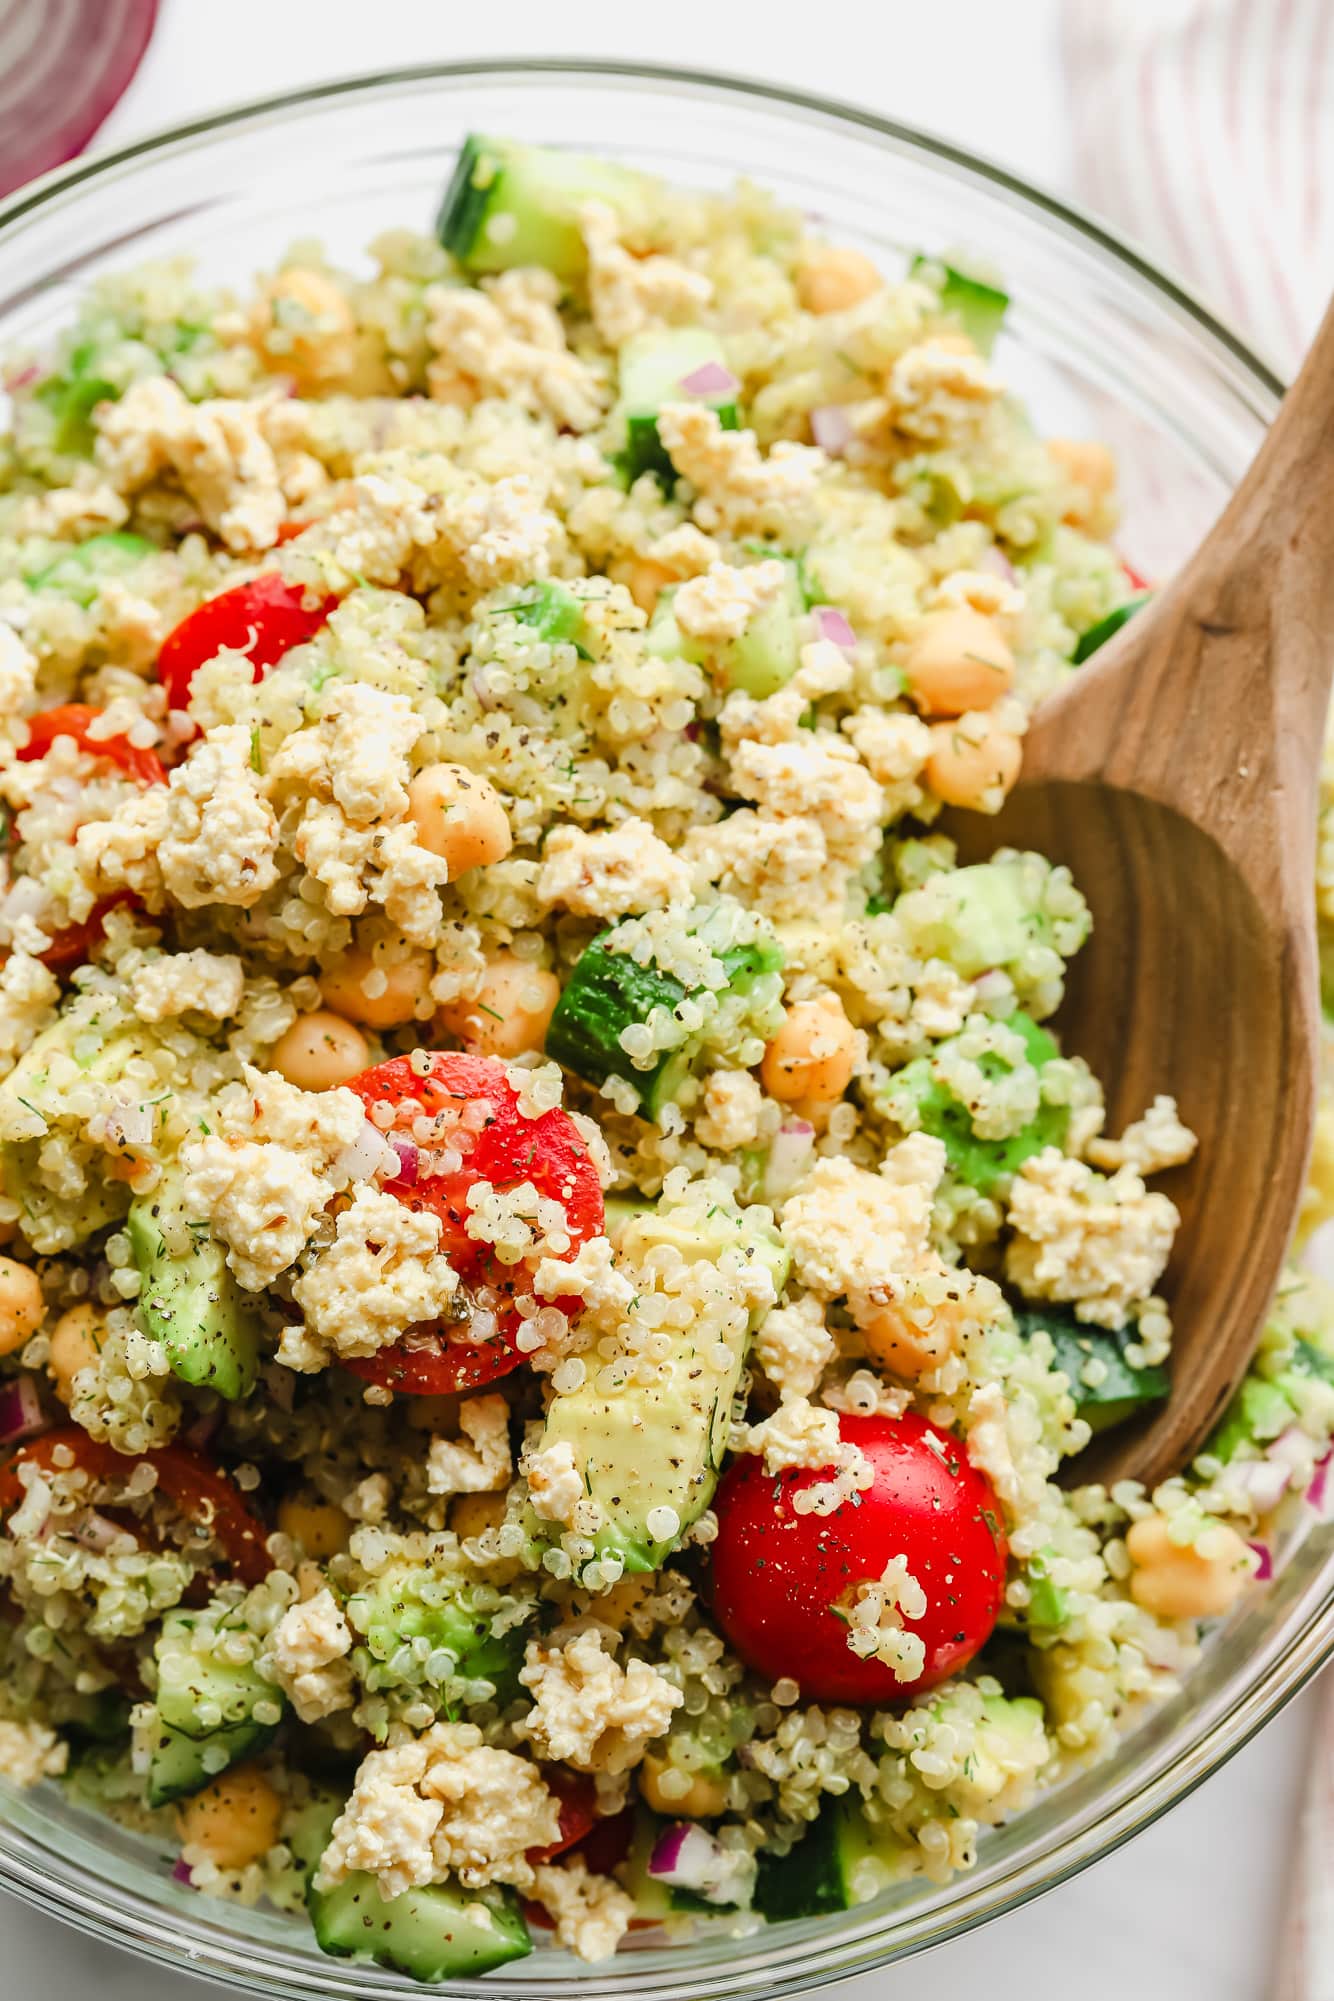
(554, 613)
(189, 1299)
(609, 991)
(1118, 1389)
(1046, 1600)
(917, 1091)
(438, 1932)
(654, 368)
(762, 660)
(411, 1602)
(661, 1445)
(980, 307)
(1107, 628)
(184, 1754)
(622, 1209)
(841, 1862)
(1258, 1412)
(993, 913)
(73, 395)
(79, 573)
(508, 205)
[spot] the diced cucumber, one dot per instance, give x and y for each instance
(1120, 1389)
(980, 307)
(654, 368)
(983, 1164)
(188, 1298)
(185, 1755)
(555, 614)
(820, 1874)
(79, 573)
(1046, 1601)
(508, 205)
(1108, 627)
(608, 992)
(438, 1932)
(1258, 1412)
(73, 395)
(765, 656)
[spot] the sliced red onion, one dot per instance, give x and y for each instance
(689, 1858)
(20, 1411)
(63, 65)
(1266, 1569)
(409, 1161)
(182, 1874)
(789, 1155)
(24, 378)
(997, 564)
(368, 1155)
(831, 624)
(1315, 1493)
(831, 428)
(709, 379)
(1263, 1482)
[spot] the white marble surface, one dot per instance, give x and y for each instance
(1189, 1912)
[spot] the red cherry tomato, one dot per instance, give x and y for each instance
(265, 619)
(578, 1798)
(73, 719)
(778, 1576)
(186, 1477)
(477, 1109)
(288, 532)
(70, 947)
(1137, 582)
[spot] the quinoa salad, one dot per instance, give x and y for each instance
(555, 1271)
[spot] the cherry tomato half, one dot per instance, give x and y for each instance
(477, 1109)
(70, 947)
(779, 1576)
(73, 719)
(578, 1800)
(265, 618)
(188, 1478)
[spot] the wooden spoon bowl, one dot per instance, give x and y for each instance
(1176, 775)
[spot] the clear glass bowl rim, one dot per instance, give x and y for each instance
(806, 1955)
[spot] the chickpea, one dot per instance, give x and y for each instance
(406, 983)
(459, 817)
(1091, 471)
(303, 326)
(76, 1343)
(897, 1343)
(320, 1050)
(614, 1607)
(831, 280)
(813, 1054)
(973, 763)
(704, 1798)
(236, 1820)
(959, 660)
(22, 1307)
(645, 580)
(318, 1526)
(1199, 1580)
(510, 1013)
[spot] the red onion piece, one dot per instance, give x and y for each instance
(831, 624)
(20, 1411)
(1266, 1569)
(23, 378)
(689, 1858)
(181, 1874)
(789, 1155)
(408, 1162)
(831, 428)
(709, 379)
(64, 65)
(1263, 1481)
(1315, 1493)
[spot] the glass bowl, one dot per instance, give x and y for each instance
(1100, 344)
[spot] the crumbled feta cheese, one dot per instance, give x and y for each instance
(591, 1913)
(819, 778)
(797, 1434)
(29, 1753)
(1157, 1141)
(718, 606)
(508, 338)
(739, 490)
(794, 1347)
(938, 390)
(217, 449)
(589, 1711)
(590, 1276)
(1101, 1244)
(629, 295)
(381, 1275)
(479, 1462)
(197, 982)
(220, 837)
(732, 1107)
(555, 1484)
(29, 993)
(306, 1656)
(855, 1233)
(606, 874)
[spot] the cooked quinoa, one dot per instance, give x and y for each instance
(489, 993)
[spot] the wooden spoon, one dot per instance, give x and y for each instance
(1176, 775)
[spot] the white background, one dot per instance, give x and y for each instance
(1191, 1911)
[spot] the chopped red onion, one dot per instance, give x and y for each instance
(20, 1411)
(1266, 1569)
(23, 378)
(409, 1160)
(997, 564)
(689, 1858)
(181, 1874)
(368, 1155)
(831, 624)
(709, 379)
(64, 64)
(1263, 1482)
(789, 1153)
(831, 428)
(1315, 1493)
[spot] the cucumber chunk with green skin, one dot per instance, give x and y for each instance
(765, 656)
(608, 992)
(1121, 1390)
(80, 572)
(983, 1164)
(818, 1875)
(508, 205)
(183, 1754)
(981, 307)
(438, 1932)
(654, 368)
(661, 1445)
(1107, 628)
(188, 1298)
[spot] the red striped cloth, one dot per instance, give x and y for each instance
(1205, 129)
